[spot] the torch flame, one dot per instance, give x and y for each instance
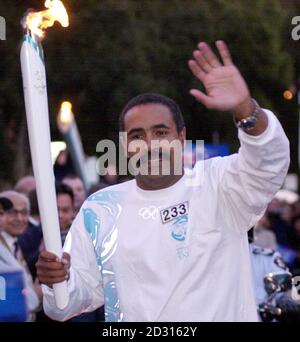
(37, 22)
(66, 114)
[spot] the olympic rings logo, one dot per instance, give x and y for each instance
(148, 213)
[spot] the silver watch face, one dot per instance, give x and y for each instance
(248, 124)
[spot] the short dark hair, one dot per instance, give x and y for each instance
(34, 205)
(155, 99)
(63, 189)
(6, 203)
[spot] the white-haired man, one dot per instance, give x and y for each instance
(13, 223)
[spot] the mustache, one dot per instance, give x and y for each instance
(154, 154)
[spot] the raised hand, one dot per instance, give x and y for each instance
(225, 87)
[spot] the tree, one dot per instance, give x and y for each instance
(114, 50)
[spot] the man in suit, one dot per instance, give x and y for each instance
(13, 221)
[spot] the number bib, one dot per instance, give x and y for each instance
(172, 213)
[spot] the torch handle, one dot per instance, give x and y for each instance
(60, 291)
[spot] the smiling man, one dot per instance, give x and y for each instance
(155, 138)
(162, 247)
(12, 225)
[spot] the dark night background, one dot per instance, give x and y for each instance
(114, 50)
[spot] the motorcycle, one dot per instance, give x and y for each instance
(279, 306)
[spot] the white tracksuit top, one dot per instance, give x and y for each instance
(180, 253)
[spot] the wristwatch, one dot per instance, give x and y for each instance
(248, 123)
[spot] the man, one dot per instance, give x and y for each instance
(76, 184)
(9, 268)
(264, 234)
(17, 219)
(265, 261)
(164, 247)
(14, 219)
(31, 239)
(65, 206)
(5, 204)
(25, 185)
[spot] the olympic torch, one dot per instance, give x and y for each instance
(67, 126)
(36, 104)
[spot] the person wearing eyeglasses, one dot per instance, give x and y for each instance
(14, 221)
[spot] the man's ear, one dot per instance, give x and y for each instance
(182, 136)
